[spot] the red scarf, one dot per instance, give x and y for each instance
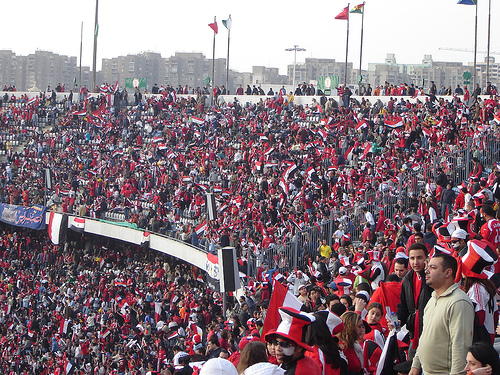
(417, 287)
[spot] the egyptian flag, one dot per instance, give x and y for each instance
(145, 239)
(63, 326)
(366, 151)
(283, 185)
(348, 153)
(361, 125)
(58, 225)
(289, 170)
(78, 224)
(32, 100)
(280, 297)
(201, 228)
(394, 124)
(197, 120)
(389, 357)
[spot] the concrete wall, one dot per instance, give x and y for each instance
(157, 242)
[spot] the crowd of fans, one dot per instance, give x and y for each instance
(275, 167)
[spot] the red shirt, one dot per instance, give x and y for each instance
(490, 231)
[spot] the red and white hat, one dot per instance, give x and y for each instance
(444, 231)
(292, 326)
(374, 255)
(480, 254)
(333, 322)
(345, 261)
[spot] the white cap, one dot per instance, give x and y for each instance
(218, 366)
(460, 234)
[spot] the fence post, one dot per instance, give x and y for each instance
(467, 161)
(295, 252)
(434, 162)
(330, 231)
(400, 187)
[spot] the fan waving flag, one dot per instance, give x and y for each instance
(396, 123)
(227, 23)
(280, 297)
(467, 2)
(357, 8)
(214, 27)
(344, 15)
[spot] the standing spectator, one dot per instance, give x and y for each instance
(448, 321)
(447, 200)
(414, 295)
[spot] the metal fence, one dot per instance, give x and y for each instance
(456, 164)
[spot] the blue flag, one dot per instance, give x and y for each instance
(467, 2)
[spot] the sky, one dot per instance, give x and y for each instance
(260, 33)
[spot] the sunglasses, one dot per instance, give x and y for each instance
(283, 344)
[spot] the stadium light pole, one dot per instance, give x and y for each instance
(294, 49)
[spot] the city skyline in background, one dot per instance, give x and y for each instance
(260, 31)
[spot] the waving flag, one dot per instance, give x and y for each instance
(467, 2)
(344, 15)
(361, 125)
(396, 123)
(280, 297)
(227, 23)
(214, 27)
(357, 8)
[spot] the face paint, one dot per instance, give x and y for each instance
(288, 351)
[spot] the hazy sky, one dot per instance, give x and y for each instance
(260, 32)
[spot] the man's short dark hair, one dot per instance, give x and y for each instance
(403, 261)
(418, 246)
(419, 234)
(447, 261)
(331, 297)
(214, 340)
(392, 278)
(488, 210)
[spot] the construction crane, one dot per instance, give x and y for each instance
(467, 50)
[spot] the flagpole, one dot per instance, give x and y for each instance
(488, 54)
(94, 59)
(213, 70)
(361, 49)
(81, 48)
(346, 46)
(475, 52)
(227, 66)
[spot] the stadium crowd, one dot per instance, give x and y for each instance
(105, 307)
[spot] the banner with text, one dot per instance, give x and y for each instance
(29, 217)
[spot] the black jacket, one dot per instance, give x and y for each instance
(407, 307)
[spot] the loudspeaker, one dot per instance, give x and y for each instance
(228, 270)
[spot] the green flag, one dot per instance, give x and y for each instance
(227, 23)
(96, 31)
(358, 8)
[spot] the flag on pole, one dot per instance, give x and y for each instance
(467, 2)
(280, 297)
(344, 15)
(358, 9)
(214, 27)
(227, 23)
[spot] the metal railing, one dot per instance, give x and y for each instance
(296, 251)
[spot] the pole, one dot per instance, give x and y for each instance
(346, 46)
(294, 64)
(94, 59)
(227, 66)
(213, 71)
(361, 48)
(294, 49)
(488, 51)
(475, 53)
(81, 49)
